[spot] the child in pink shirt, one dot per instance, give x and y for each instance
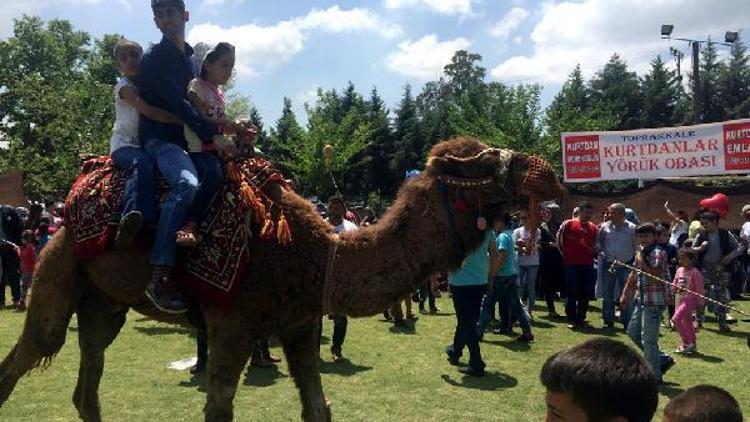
(28, 260)
(690, 278)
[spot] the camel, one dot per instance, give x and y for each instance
(287, 289)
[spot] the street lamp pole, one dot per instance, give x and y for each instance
(696, 81)
(729, 38)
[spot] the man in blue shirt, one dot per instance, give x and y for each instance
(165, 72)
(504, 287)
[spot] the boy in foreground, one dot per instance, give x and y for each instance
(600, 380)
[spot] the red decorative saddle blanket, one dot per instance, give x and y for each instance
(213, 269)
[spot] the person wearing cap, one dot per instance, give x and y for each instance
(165, 71)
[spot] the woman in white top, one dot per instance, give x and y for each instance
(528, 260)
(139, 204)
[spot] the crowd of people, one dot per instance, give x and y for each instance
(649, 276)
(23, 234)
(170, 116)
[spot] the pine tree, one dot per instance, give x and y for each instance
(572, 110)
(380, 151)
(661, 92)
(262, 140)
(709, 100)
(616, 90)
(734, 84)
(284, 137)
(408, 136)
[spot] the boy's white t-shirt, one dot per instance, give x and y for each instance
(523, 233)
(345, 226)
(125, 130)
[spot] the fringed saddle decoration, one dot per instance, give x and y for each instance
(211, 270)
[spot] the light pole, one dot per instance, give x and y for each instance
(666, 34)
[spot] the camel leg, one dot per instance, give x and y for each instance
(99, 322)
(56, 290)
(302, 350)
(228, 352)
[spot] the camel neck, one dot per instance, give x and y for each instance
(376, 266)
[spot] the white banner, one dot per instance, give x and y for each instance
(708, 149)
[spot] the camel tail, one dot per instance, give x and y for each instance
(56, 288)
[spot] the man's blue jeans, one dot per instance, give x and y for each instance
(644, 331)
(210, 176)
(527, 282)
(140, 187)
(580, 281)
(505, 291)
(612, 285)
(178, 169)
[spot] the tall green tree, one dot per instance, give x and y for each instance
(661, 92)
(55, 102)
(734, 83)
(615, 90)
(709, 99)
(373, 161)
(571, 110)
(410, 143)
(285, 136)
(347, 135)
(464, 73)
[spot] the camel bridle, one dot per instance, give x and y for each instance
(330, 262)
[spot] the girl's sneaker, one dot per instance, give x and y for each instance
(686, 350)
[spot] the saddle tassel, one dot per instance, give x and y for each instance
(268, 230)
(284, 232)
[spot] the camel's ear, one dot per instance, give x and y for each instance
(436, 165)
(511, 171)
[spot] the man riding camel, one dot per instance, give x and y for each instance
(165, 72)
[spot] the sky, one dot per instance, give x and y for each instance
(289, 48)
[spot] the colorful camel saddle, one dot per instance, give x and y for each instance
(213, 269)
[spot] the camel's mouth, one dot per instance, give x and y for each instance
(466, 182)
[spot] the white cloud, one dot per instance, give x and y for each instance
(505, 26)
(444, 7)
(335, 20)
(590, 31)
(10, 10)
(15, 9)
(261, 48)
(425, 58)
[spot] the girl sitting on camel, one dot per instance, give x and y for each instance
(207, 97)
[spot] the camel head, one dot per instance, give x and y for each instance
(466, 183)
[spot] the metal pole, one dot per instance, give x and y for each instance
(696, 82)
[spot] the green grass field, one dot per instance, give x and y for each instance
(391, 374)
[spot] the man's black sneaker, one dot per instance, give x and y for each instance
(167, 302)
(129, 226)
(666, 364)
(471, 371)
(452, 358)
(198, 368)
